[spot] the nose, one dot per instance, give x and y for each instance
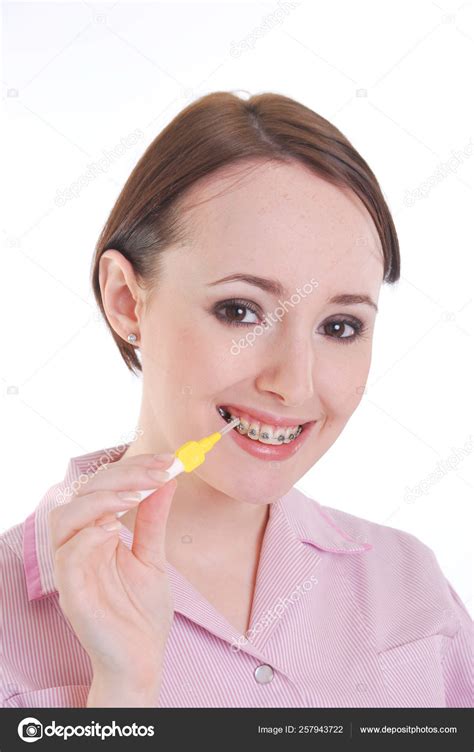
(287, 372)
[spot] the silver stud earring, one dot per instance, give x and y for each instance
(132, 338)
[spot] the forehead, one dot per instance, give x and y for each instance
(280, 216)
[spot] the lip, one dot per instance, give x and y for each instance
(268, 452)
(263, 417)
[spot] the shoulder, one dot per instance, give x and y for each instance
(394, 544)
(396, 581)
(11, 549)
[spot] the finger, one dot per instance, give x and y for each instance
(76, 552)
(147, 459)
(149, 531)
(130, 477)
(66, 520)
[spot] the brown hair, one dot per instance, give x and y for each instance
(216, 130)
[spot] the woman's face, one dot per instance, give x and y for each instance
(201, 344)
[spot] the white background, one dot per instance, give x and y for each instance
(394, 77)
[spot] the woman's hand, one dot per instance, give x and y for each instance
(118, 600)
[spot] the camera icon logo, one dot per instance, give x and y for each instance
(30, 729)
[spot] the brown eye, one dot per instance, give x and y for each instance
(345, 330)
(237, 313)
(339, 328)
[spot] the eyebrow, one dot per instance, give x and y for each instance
(352, 299)
(276, 288)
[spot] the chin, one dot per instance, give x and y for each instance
(257, 491)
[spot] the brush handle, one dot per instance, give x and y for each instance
(173, 470)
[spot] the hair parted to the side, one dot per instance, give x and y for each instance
(216, 130)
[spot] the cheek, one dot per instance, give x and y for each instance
(202, 362)
(340, 383)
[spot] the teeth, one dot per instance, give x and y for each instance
(254, 431)
(268, 434)
(290, 434)
(243, 426)
(264, 432)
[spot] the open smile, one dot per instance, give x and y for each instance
(266, 436)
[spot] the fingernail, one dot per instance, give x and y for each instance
(165, 459)
(109, 526)
(159, 475)
(129, 496)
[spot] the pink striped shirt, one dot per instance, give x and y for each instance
(346, 613)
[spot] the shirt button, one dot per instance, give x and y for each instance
(263, 674)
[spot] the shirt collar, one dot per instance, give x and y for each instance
(301, 518)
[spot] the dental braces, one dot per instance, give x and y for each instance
(253, 432)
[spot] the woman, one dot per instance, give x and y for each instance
(242, 262)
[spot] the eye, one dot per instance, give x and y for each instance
(236, 312)
(340, 327)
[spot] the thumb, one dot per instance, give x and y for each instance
(150, 526)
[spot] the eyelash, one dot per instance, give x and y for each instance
(358, 326)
